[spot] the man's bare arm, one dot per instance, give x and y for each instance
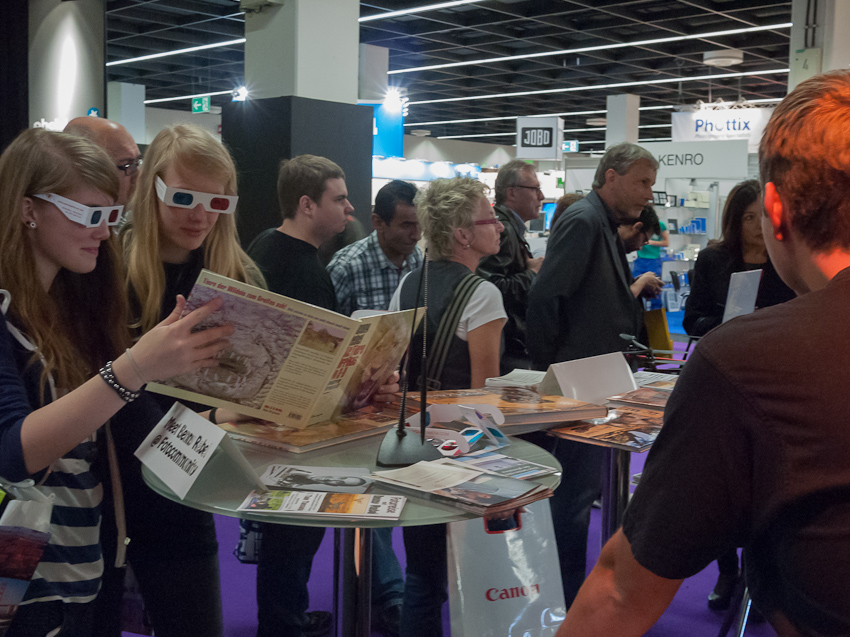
(620, 597)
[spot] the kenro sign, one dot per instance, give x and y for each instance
(709, 160)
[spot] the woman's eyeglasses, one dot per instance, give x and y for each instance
(87, 216)
(486, 222)
(183, 198)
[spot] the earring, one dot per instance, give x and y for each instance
(32, 225)
(466, 247)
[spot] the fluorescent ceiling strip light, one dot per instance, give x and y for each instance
(164, 54)
(497, 119)
(187, 97)
(430, 7)
(587, 49)
(573, 89)
(480, 135)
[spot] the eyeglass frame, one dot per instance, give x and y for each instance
(131, 167)
(538, 188)
(82, 214)
(487, 221)
(166, 194)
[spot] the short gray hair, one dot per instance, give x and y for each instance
(621, 158)
(445, 205)
(509, 176)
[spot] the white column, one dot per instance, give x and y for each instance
(66, 58)
(125, 104)
(623, 117)
(819, 42)
(304, 48)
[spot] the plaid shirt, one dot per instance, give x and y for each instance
(364, 278)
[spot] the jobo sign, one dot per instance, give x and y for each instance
(539, 137)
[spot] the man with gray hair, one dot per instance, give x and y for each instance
(513, 269)
(579, 305)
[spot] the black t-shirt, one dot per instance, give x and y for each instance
(292, 268)
(755, 452)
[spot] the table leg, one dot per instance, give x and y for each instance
(357, 583)
(615, 490)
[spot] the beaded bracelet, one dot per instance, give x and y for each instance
(108, 376)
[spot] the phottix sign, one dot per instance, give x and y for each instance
(539, 137)
(721, 125)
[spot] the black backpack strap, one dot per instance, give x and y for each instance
(448, 326)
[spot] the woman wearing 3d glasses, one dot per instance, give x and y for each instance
(64, 318)
(182, 221)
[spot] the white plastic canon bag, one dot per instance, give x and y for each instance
(505, 583)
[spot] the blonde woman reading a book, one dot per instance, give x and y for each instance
(183, 220)
(65, 318)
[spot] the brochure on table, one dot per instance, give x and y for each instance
(289, 362)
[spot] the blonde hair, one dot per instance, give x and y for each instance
(193, 148)
(447, 204)
(79, 323)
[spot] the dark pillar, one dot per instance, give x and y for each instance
(260, 133)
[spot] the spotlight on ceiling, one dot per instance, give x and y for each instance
(596, 121)
(420, 132)
(724, 57)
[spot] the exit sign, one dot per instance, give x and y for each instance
(571, 146)
(201, 104)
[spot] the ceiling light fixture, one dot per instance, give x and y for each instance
(188, 97)
(430, 7)
(165, 54)
(723, 58)
(572, 89)
(606, 47)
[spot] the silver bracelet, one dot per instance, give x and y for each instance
(135, 367)
(108, 376)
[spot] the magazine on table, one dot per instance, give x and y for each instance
(340, 505)
(647, 397)
(471, 490)
(525, 378)
(306, 478)
(524, 410)
(491, 462)
(628, 428)
(359, 424)
(289, 362)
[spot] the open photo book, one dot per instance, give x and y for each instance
(289, 362)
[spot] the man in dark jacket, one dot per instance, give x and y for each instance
(513, 269)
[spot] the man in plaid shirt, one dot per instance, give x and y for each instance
(366, 273)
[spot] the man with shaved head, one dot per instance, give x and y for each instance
(118, 144)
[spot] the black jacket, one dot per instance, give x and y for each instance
(508, 271)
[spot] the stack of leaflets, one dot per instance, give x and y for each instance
(656, 380)
(524, 410)
(525, 378)
(628, 428)
(340, 505)
(471, 490)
